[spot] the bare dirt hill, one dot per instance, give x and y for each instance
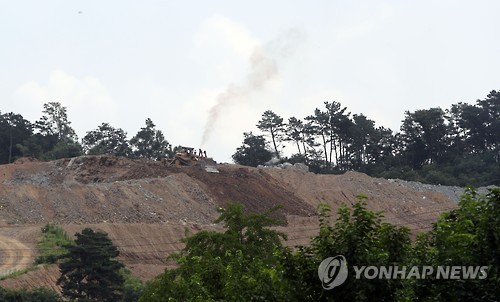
(145, 206)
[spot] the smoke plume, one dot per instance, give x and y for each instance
(263, 68)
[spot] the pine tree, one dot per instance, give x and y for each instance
(88, 271)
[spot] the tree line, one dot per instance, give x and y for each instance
(52, 137)
(456, 146)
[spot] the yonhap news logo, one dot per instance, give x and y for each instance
(333, 272)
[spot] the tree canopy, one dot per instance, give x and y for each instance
(89, 271)
(236, 265)
(107, 140)
(149, 143)
(253, 152)
(455, 146)
(273, 124)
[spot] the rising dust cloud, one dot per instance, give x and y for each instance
(263, 68)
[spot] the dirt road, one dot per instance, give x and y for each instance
(14, 255)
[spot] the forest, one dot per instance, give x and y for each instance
(459, 145)
(456, 146)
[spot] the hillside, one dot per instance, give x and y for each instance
(146, 207)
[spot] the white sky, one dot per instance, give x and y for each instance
(124, 61)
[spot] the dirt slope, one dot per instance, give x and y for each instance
(145, 207)
(15, 255)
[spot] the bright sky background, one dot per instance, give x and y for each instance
(172, 61)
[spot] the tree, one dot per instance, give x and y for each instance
(240, 264)
(14, 129)
(295, 133)
(425, 136)
(458, 133)
(54, 137)
(318, 126)
(491, 108)
(360, 236)
(365, 140)
(150, 143)
(63, 149)
(106, 140)
(55, 122)
(89, 271)
(333, 126)
(466, 236)
(253, 152)
(272, 124)
(23, 295)
(132, 286)
(37, 145)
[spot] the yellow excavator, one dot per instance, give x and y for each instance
(185, 156)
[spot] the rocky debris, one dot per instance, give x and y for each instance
(301, 167)
(286, 165)
(272, 162)
(453, 192)
(94, 189)
(211, 169)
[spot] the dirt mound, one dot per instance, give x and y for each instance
(146, 206)
(94, 189)
(401, 204)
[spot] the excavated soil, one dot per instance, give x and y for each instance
(146, 207)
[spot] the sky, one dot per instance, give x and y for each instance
(205, 71)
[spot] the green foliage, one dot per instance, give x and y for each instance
(359, 235)
(150, 143)
(295, 132)
(240, 264)
(37, 145)
(253, 152)
(14, 129)
(234, 266)
(18, 273)
(52, 245)
(273, 124)
(132, 286)
(36, 295)
(55, 137)
(89, 271)
(106, 140)
(63, 149)
(424, 135)
(457, 146)
(467, 236)
(55, 122)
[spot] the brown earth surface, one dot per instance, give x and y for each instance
(146, 207)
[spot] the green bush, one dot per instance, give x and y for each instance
(51, 246)
(23, 295)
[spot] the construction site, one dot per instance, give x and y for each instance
(146, 207)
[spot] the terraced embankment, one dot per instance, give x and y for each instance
(146, 207)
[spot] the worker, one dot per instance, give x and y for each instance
(200, 152)
(205, 153)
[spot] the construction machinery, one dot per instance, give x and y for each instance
(185, 156)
